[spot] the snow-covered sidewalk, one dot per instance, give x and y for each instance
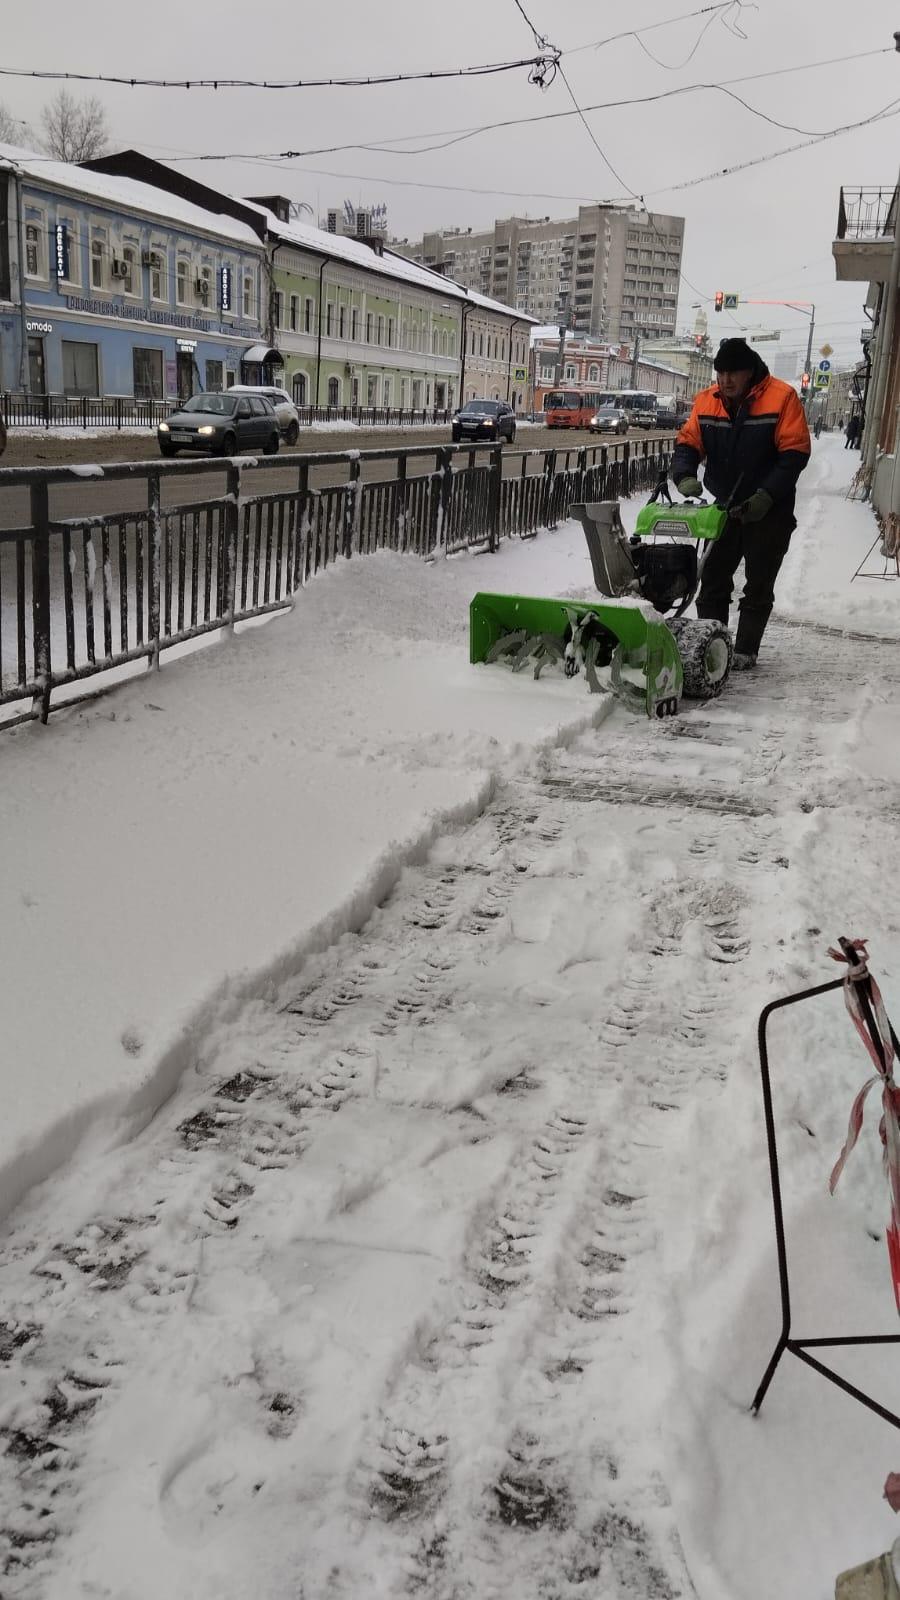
(444, 1265)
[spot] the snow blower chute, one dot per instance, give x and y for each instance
(652, 662)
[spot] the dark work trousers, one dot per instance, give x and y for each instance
(762, 546)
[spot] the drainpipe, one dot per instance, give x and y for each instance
(325, 262)
(467, 306)
(23, 330)
(509, 362)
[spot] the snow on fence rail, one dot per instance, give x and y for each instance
(88, 594)
(122, 411)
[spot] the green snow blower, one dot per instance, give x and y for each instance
(652, 662)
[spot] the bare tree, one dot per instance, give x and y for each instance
(74, 130)
(14, 130)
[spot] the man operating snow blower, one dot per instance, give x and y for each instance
(750, 429)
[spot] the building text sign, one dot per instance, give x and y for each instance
(170, 319)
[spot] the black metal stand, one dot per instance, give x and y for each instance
(801, 1347)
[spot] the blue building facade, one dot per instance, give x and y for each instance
(127, 289)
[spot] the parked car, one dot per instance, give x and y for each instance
(484, 419)
(609, 419)
(221, 424)
(285, 410)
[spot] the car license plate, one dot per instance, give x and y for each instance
(183, 438)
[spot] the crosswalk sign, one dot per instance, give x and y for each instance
(822, 379)
(731, 302)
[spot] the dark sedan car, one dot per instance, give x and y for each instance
(484, 419)
(609, 419)
(221, 424)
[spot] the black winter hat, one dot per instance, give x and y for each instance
(735, 355)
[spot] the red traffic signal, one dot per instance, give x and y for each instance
(698, 339)
(804, 381)
(720, 299)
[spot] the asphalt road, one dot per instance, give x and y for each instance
(91, 496)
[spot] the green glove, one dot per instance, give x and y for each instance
(753, 510)
(689, 487)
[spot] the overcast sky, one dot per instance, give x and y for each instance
(764, 232)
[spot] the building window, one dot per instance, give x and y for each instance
(334, 391)
(435, 341)
(404, 336)
(158, 286)
(33, 248)
(299, 386)
(402, 394)
(380, 330)
(452, 345)
(97, 252)
(372, 389)
(390, 334)
(342, 316)
(368, 327)
(204, 287)
(279, 309)
(295, 312)
(386, 396)
(182, 281)
(80, 368)
(307, 316)
(215, 372)
(147, 370)
(593, 375)
(329, 317)
(249, 294)
(354, 323)
(130, 277)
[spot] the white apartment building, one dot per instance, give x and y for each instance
(611, 272)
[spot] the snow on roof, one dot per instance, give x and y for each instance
(497, 305)
(126, 194)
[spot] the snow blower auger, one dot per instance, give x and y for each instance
(652, 662)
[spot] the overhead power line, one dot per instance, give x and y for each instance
(542, 65)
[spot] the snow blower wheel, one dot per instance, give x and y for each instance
(706, 649)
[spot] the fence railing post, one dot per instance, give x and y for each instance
(496, 490)
(230, 533)
(400, 529)
(547, 489)
(40, 597)
(154, 535)
(625, 485)
(352, 500)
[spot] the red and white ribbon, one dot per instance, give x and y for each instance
(889, 1127)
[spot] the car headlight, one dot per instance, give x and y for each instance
(163, 427)
(207, 428)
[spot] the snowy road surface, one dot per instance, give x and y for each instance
(446, 1268)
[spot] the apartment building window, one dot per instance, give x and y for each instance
(131, 278)
(34, 244)
(354, 323)
(98, 250)
(329, 318)
(381, 330)
(390, 332)
(182, 281)
(334, 391)
(368, 327)
(205, 286)
(279, 308)
(159, 289)
(295, 312)
(307, 315)
(342, 316)
(249, 293)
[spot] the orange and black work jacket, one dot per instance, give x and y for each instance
(763, 445)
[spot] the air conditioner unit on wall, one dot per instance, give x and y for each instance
(201, 287)
(120, 269)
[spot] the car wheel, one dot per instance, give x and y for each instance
(512, 437)
(271, 444)
(229, 445)
(293, 434)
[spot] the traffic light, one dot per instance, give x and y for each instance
(720, 299)
(804, 382)
(698, 339)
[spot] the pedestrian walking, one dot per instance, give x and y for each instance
(751, 431)
(852, 432)
(817, 428)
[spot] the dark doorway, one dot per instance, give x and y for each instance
(37, 381)
(185, 374)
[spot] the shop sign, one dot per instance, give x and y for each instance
(39, 327)
(61, 249)
(188, 346)
(170, 319)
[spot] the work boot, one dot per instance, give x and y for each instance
(740, 662)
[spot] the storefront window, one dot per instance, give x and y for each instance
(215, 375)
(147, 366)
(80, 367)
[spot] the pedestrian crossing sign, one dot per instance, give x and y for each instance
(731, 302)
(822, 380)
(520, 374)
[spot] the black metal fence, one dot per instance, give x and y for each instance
(121, 411)
(86, 594)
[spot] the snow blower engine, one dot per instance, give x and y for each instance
(653, 663)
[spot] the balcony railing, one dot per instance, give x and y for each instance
(867, 213)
